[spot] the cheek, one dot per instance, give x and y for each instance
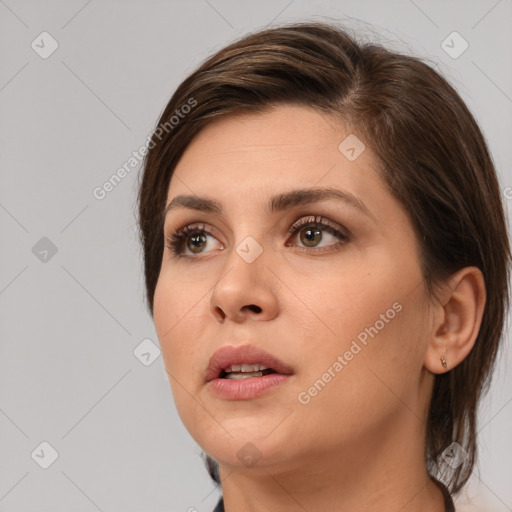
(175, 311)
(374, 320)
(343, 302)
(378, 372)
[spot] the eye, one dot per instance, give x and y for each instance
(195, 236)
(310, 230)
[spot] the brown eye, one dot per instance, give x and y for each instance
(311, 233)
(195, 238)
(310, 237)
(196, 243)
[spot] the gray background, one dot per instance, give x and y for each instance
(71, 321)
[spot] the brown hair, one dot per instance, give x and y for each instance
(433, 157)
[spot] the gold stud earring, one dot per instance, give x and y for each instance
(443, 362)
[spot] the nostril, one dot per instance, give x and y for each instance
(254, 308)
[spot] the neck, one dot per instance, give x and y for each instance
(384, 473)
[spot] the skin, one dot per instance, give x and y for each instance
(359, 443)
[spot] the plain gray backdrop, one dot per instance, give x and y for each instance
(80, 369)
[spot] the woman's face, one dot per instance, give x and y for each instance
(342, 304)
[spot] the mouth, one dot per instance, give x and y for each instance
(244, 362)
(245, 371)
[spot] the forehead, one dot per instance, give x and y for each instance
(281, 129)
(265, 152)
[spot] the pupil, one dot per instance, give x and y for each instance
(311, 233)
(196, 242)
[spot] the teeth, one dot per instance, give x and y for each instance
(240, 375)
(245, 368)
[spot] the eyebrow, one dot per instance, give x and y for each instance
(280, 202)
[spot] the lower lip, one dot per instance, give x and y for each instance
(245, 389)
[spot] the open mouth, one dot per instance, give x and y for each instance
(245, 374)
(245, 362)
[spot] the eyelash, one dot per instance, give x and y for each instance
(174, 241)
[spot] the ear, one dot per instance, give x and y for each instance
(456, 320)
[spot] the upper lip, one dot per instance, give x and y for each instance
(229, 355)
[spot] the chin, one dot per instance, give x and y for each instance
(248, 449)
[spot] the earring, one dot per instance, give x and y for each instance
(443, 362)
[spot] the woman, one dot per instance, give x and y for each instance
(326, 263)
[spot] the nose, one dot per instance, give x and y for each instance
(244, 290)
